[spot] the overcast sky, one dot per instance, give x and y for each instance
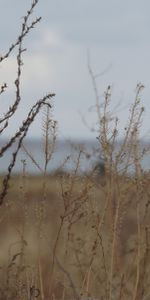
(117, 36)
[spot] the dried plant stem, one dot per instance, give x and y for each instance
(76, 295)
(24, 31)
(54, 256)
(32, 158)
(138, 199)
(113, 248)
(41, 280)
(138, 254)
(21, 134)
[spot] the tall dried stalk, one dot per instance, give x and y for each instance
(119, 160)
(21, 133)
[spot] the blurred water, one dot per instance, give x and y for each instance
(64, 157)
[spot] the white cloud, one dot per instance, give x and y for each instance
(50, 38)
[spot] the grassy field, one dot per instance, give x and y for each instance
(59, 234)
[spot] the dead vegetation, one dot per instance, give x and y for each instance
(70, 236)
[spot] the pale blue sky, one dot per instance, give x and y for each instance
(117, 34)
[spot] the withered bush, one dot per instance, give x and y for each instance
(18, 137)
(80, 236)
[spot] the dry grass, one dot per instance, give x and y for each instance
(70, 236)
(81, 263)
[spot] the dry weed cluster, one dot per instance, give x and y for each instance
(73, 236)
